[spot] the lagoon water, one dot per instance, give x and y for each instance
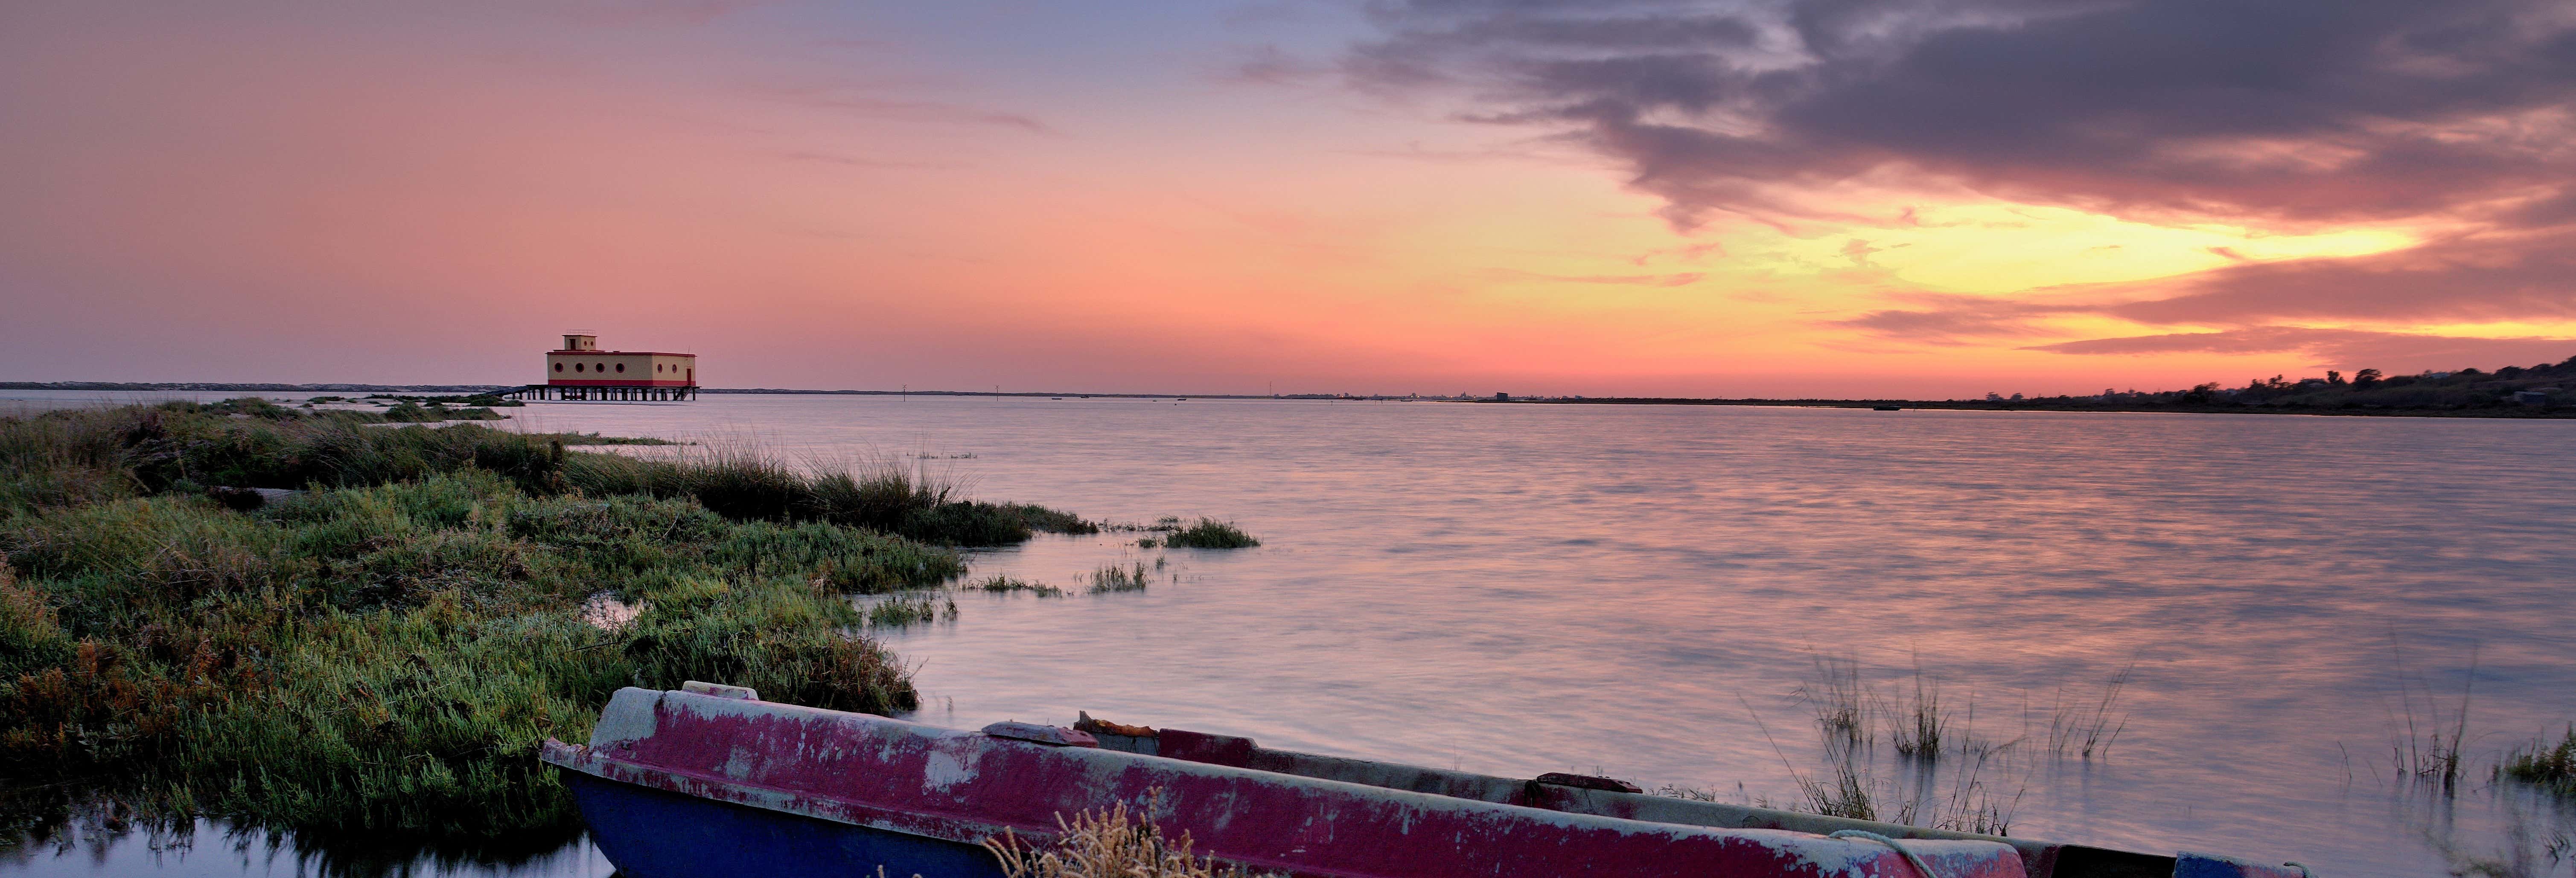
(1641, 592)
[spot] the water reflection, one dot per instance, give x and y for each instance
(61, 834)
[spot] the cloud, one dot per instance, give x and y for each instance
(2481, 278)
(2395, 351)
(1943, 319)
(2297, 110)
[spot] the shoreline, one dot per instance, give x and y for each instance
(2499, 411)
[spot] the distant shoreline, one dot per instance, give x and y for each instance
(2079, 404)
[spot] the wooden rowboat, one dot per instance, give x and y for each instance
(709, 780)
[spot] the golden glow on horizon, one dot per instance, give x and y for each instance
(1999, 247)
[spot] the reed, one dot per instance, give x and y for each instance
(1209, 533)
(2084, 726)
(2541, 764)
(999, 584)
(1838, 698)
(2427, 746)
(906, 610)
(1111, 843)
(1920, 722)
(1115, 578)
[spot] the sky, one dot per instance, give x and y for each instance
(1849, 198)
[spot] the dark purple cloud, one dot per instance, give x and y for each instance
(2295, 109)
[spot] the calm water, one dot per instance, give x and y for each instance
(1638, 591)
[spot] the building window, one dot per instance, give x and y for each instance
(621, 367)
(576, 367)
(558, 367)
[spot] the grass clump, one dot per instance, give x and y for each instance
(2541, 764)
(1210, 533)
(999, 584)
(1111, 843)
(408, 412)
(906, 610)
(743, 484)
(381, 654)
(1113, 579)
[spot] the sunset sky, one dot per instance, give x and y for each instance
(1782, 198)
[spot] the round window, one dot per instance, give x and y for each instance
(599, 367)
(621, 367)
(576, 367)
(558, 367)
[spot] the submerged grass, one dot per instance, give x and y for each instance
(1210, 533)
(2541, 764)
(381, 655)
(1116, 578)
(998, 584)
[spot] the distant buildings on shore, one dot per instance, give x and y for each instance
(580, 370)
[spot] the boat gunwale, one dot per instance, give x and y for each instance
(643, 710)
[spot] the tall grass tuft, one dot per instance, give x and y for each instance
(1114, 578)
(1920, 724)
(2084, 727)
(999, 584)
(1210, 533)
(2427, 746)
(2541, 764)
(1110, 843)
(1840, 701)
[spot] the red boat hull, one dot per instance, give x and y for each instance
(957, 788)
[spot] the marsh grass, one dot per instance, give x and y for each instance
(1209, 533)
(2544, 765)
(381, 655)
(2426, 745)
(906, 610)
(1111, 843)
(1945, 773)
(2083, 725)
(999, 584)
(1840, 701)
(1116, 578)
(1920, 723)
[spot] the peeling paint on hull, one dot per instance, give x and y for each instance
(905, 789)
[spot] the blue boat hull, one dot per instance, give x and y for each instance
(651, 833)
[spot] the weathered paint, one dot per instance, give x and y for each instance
(1607, 797)
(963, 787)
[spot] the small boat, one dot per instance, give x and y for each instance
(1886, 408)
(710, 780)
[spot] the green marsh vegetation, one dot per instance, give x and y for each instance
(2543, 764)
(999, 584)
(379, 653)
(1115, 578)
(1209, 533)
